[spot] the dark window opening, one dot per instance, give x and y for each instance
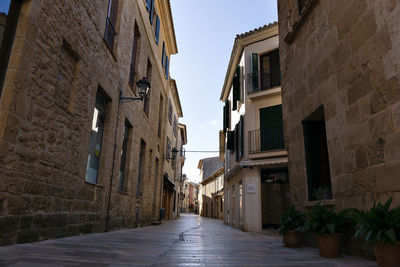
(170, 112)
(146, 99)
(9, 15)
(317, 158)
(96, 138)
(160, 113)
(109, 34)
(270, 75)
(122, 182)
(168, 149)
(301, 5)
(135, 51)
(141, 167)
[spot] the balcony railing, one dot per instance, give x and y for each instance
(262, 80)
(109, 33)
(262, 140)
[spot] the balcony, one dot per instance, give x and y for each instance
(264, 140)
(262, 80)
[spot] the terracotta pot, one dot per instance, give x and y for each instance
(292, 239)
(387, 255)
(329, 245)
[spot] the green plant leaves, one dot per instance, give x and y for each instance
(292, 220)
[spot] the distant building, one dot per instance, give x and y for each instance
(252, 144)
(189, 195)
(211, 188)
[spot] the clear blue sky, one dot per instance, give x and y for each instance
(205, 32)
(4, 5)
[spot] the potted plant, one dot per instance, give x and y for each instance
(322, 192)
(380, 226)
(328, 226)
(292, 223)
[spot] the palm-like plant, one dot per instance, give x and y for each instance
(323, 220)
(379, 224)
(292, 219)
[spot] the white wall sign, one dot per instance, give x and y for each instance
(251, 189)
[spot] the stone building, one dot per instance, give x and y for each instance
(188, 203)
(341, 101)
(252, 145)
(211, 188)
(74, 157)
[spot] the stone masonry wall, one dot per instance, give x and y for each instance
(345, 57)
(58, 62)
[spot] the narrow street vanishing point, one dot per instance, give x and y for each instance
(189, 241)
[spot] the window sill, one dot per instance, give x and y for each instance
(110, 50)
(139, 197)
(291, 35)
(122, 192)
(324, 202)
(95, 185)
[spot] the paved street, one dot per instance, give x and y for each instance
(189, 241)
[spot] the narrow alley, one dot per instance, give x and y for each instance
(190, 241)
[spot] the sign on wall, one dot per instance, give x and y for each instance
(251, 188)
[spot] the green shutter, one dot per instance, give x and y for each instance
(224, 119)
(254, 64)
(236, 88)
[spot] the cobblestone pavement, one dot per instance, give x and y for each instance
(189, 241)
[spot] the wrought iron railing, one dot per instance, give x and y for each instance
(262, 140)
(109, 33)
(262, 80)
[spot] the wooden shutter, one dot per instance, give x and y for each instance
(236, 88)
(275, 68)
(241, 136)
(254, 66)
(236, 142)
(226, 116)
(230, 142)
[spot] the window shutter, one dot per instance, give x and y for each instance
(151, 11)
(226, 115)
(254, 65)
(230, 140)
(148, 5)
(224, 119)
(241, 136)
(157, 33)
(236, 143)
(163, 54)
(236, 88)
(275, 68)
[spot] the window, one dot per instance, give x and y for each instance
(301, 5)
(168, 149)
(239, 135)
(146, 99)
(160, 113)
(166, 67)
(141, 167)
(170, 112)
(111, 22)
(96, 138)
(233, 204)
(135, 49)
(317, 158)
(151, 15)
(157, 30)
(163, 54)
(122, 181)
(269, 74)
(271, 130)
(175, 126)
